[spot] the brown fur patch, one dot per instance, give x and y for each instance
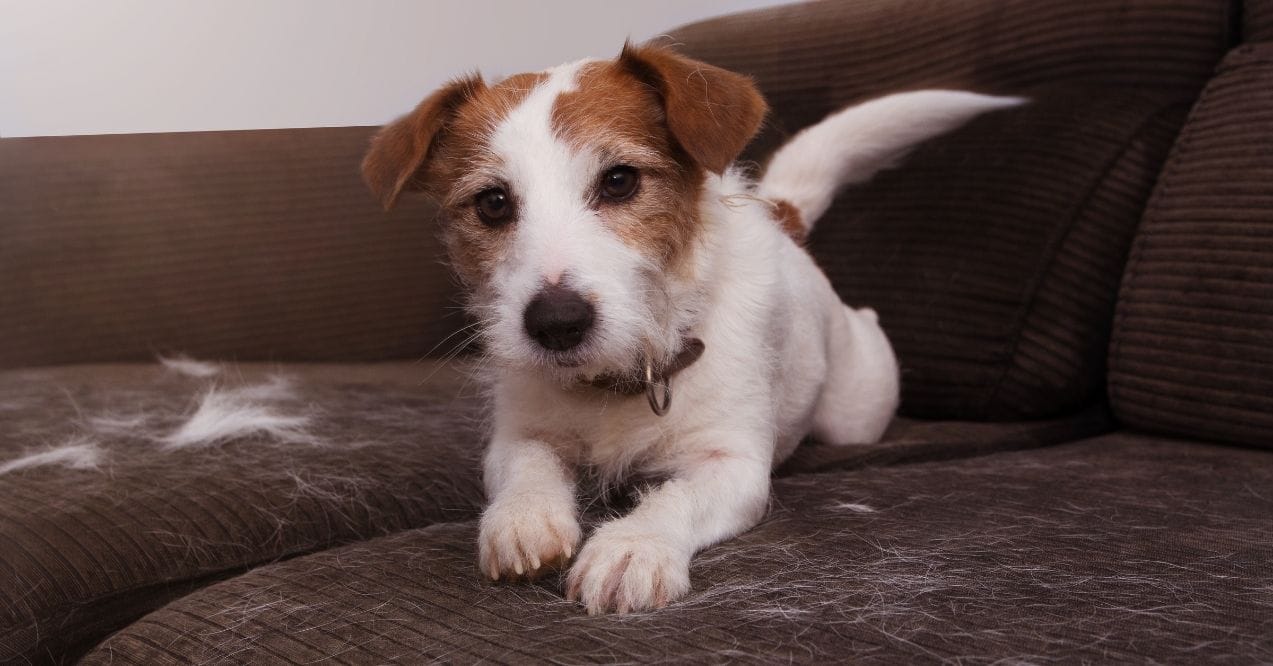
(462, 150)
(669, 117)
(712, 113)
(400, 150)
(788, 216)
(621, 119)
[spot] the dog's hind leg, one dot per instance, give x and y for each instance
(861, 391)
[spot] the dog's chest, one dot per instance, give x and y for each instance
(613, 434)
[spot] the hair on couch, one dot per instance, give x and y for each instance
(224, 414)
(77, 453)
(221, 409)
(184, 365)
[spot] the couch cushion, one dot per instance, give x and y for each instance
(1193, 338)
(994, 254)
(254, 245)
(386, 447)
(124, 524)
(1118, 549)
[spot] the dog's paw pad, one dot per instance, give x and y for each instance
(523, 540)
(627, 572)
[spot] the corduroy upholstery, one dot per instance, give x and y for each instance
(1110, 550)
(992, 255)
(1258, 22)
(1193, 345)
(254, 245)
(996, 290)
(817, 57)
(88, 551)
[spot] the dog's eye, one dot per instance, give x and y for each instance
(619, 183)
(494, 207)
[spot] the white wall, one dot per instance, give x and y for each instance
(107, 66)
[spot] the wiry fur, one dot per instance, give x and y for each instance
(224, 414)
(79, 453)
(784, 356)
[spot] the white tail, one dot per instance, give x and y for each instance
(853, 144)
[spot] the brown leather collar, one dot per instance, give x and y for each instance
(650, 380)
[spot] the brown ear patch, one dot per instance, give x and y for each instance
(710, 111)
(400, 150)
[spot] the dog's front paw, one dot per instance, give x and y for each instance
(526, 537)
(621, 570)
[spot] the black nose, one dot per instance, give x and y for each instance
(558, 318)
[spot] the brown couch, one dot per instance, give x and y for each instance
(1080, 293)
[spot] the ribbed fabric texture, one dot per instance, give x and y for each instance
(993, 255)
(816, 57)
(1108, 551)
(1192, 352)
(255, 245)
(84, 552)
(1257, 23)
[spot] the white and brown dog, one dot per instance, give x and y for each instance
(615, 260)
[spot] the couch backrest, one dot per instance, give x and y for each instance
(994, 254)
(1192, 350)
(1257, 21)
(247, 245)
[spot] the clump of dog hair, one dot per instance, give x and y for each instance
(78, 453)
(223, 414)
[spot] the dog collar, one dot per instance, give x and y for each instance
(656, 383)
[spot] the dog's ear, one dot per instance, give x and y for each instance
(711, 112)
(400, 150)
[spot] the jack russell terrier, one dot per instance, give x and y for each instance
(647, 309)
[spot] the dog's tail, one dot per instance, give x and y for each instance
(853, 144)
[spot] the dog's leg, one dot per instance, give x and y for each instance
(641, 561)
(860, 395)
(531, 524)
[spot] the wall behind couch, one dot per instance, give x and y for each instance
(93, 67)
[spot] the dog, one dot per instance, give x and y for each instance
(646, 308)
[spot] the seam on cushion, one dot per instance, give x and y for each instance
(1155, 205)
(1055, 248)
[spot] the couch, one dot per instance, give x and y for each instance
(1080, 292)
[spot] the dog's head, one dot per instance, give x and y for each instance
(570, 199)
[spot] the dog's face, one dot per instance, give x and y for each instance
(570, 199)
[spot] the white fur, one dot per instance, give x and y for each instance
(854, 144)
(225, 414)
(184, 365)
(77, 454)
(559, 237)
(784, 357)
